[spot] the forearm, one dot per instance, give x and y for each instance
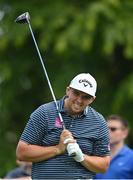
(95, 163)
(35, 153)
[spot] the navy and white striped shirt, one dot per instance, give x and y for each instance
(44, 129)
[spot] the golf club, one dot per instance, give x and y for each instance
(25, 18)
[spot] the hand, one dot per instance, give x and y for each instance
(74, 148)
(65, 138)
(71, 142)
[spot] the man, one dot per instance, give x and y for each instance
(23, 171)
(44, 143)
(121, 166)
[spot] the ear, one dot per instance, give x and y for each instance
(125, 133)
(92, 99)
(67, 91)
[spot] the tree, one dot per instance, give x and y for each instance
(74, 36)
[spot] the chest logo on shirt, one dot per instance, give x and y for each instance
(58, 123)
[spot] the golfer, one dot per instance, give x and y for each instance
(49, 147)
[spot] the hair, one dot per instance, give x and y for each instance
(115, 117)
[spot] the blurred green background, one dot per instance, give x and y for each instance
(74, 36)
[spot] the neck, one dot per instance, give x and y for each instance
(115, 148)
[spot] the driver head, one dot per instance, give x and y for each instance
(23, 18)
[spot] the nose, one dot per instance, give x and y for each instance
(80, 99)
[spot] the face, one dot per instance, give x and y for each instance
(77, 101)
(117, 132)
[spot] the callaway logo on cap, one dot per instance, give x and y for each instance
(84, 82)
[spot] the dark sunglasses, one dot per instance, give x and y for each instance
(113, 129)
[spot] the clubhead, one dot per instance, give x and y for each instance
(23, 18)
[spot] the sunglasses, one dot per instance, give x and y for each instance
(113, 129)
(77, 93)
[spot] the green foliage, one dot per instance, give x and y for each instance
(74, 36)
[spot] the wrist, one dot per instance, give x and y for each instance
(57, 150)
(82, 158)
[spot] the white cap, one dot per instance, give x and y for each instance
(84, 82)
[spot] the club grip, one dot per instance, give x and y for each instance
(71, 150)
(73, 154)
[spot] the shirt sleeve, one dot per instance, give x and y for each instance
(102, 145)
(35, 128)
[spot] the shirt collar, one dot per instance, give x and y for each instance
(62, 110)
(122, 152)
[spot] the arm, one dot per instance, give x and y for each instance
(100, 160)
(92, 163)
(35, 153)
(95, 163)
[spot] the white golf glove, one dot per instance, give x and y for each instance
(73, 148)
(67, 140)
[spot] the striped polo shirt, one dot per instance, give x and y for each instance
(44, 129)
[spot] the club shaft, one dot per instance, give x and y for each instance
(44, 69)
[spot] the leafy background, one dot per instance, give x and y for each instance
(73, 36)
